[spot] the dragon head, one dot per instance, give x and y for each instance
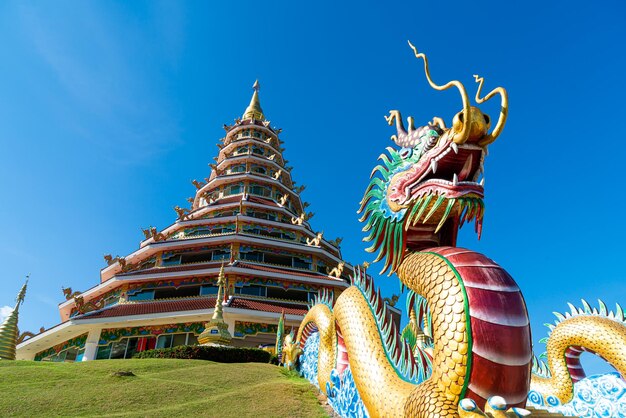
(423, 192)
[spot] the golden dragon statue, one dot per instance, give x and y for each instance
(475, 348)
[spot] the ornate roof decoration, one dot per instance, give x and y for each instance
(254, 111)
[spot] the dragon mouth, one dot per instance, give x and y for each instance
(451, 170)
(441, 192)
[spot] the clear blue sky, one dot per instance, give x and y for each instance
(109, 109)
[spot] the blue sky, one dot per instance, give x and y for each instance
(109, 109)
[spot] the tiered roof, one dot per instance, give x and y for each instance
(247, 214)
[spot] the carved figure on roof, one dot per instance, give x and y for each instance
(299, 189)
(112, 260)
(182, 213)
(315, 241)
(197, 183)
(336, 242)
(283, 199)
(277, 174)
(337, 271)
(146, 233)
(156, 235)
(302, 218)
(83, 307)
(67, 292)
(299, 220)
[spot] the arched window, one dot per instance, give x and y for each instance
(258, 169)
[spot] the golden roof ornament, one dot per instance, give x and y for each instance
(254, 111)
(8, 329)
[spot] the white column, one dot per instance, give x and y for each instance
(91, 345)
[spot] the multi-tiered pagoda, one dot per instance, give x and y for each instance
(247, 216)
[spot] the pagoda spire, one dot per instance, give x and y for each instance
(216, 330)
(217, 313)
(254, 111)
(9, 331)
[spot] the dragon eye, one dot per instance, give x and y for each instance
(406, 152)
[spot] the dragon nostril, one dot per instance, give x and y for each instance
(486, 119)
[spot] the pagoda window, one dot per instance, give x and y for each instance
(104, 352)
(142, 295)
(70, 354)
(221, 254)
(124, 348)
(271, 216)
(259, 190)
(252, 256)
(301, 263)
(148, 264)
(208, 290)
(241, 150)
(233, 189)
(251, 290)
(111, 300)
(203, 230)
(321, 267)
(174, 340)
(118, 348)
(239, 168)
(173, 292)
(202, 257)
(172, 260)
(281, 260)
(259, 169)
(258, 150)
(291, 294)
(257, 134)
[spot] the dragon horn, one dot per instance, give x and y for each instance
(504, 109)
(461, 136)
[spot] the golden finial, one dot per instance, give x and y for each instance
(254, 111)
(20, 296)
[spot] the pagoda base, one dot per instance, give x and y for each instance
(215, 333)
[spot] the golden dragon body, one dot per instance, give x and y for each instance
(418, 198)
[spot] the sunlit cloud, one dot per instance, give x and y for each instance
(5, 311)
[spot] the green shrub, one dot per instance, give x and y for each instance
(212, 353)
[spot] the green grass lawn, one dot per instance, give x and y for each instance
(161, 387)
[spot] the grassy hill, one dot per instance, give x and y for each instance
(169, 388)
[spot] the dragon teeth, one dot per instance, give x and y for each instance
(454, 147)
(433, 166)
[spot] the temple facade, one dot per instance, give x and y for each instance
(246, 218)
